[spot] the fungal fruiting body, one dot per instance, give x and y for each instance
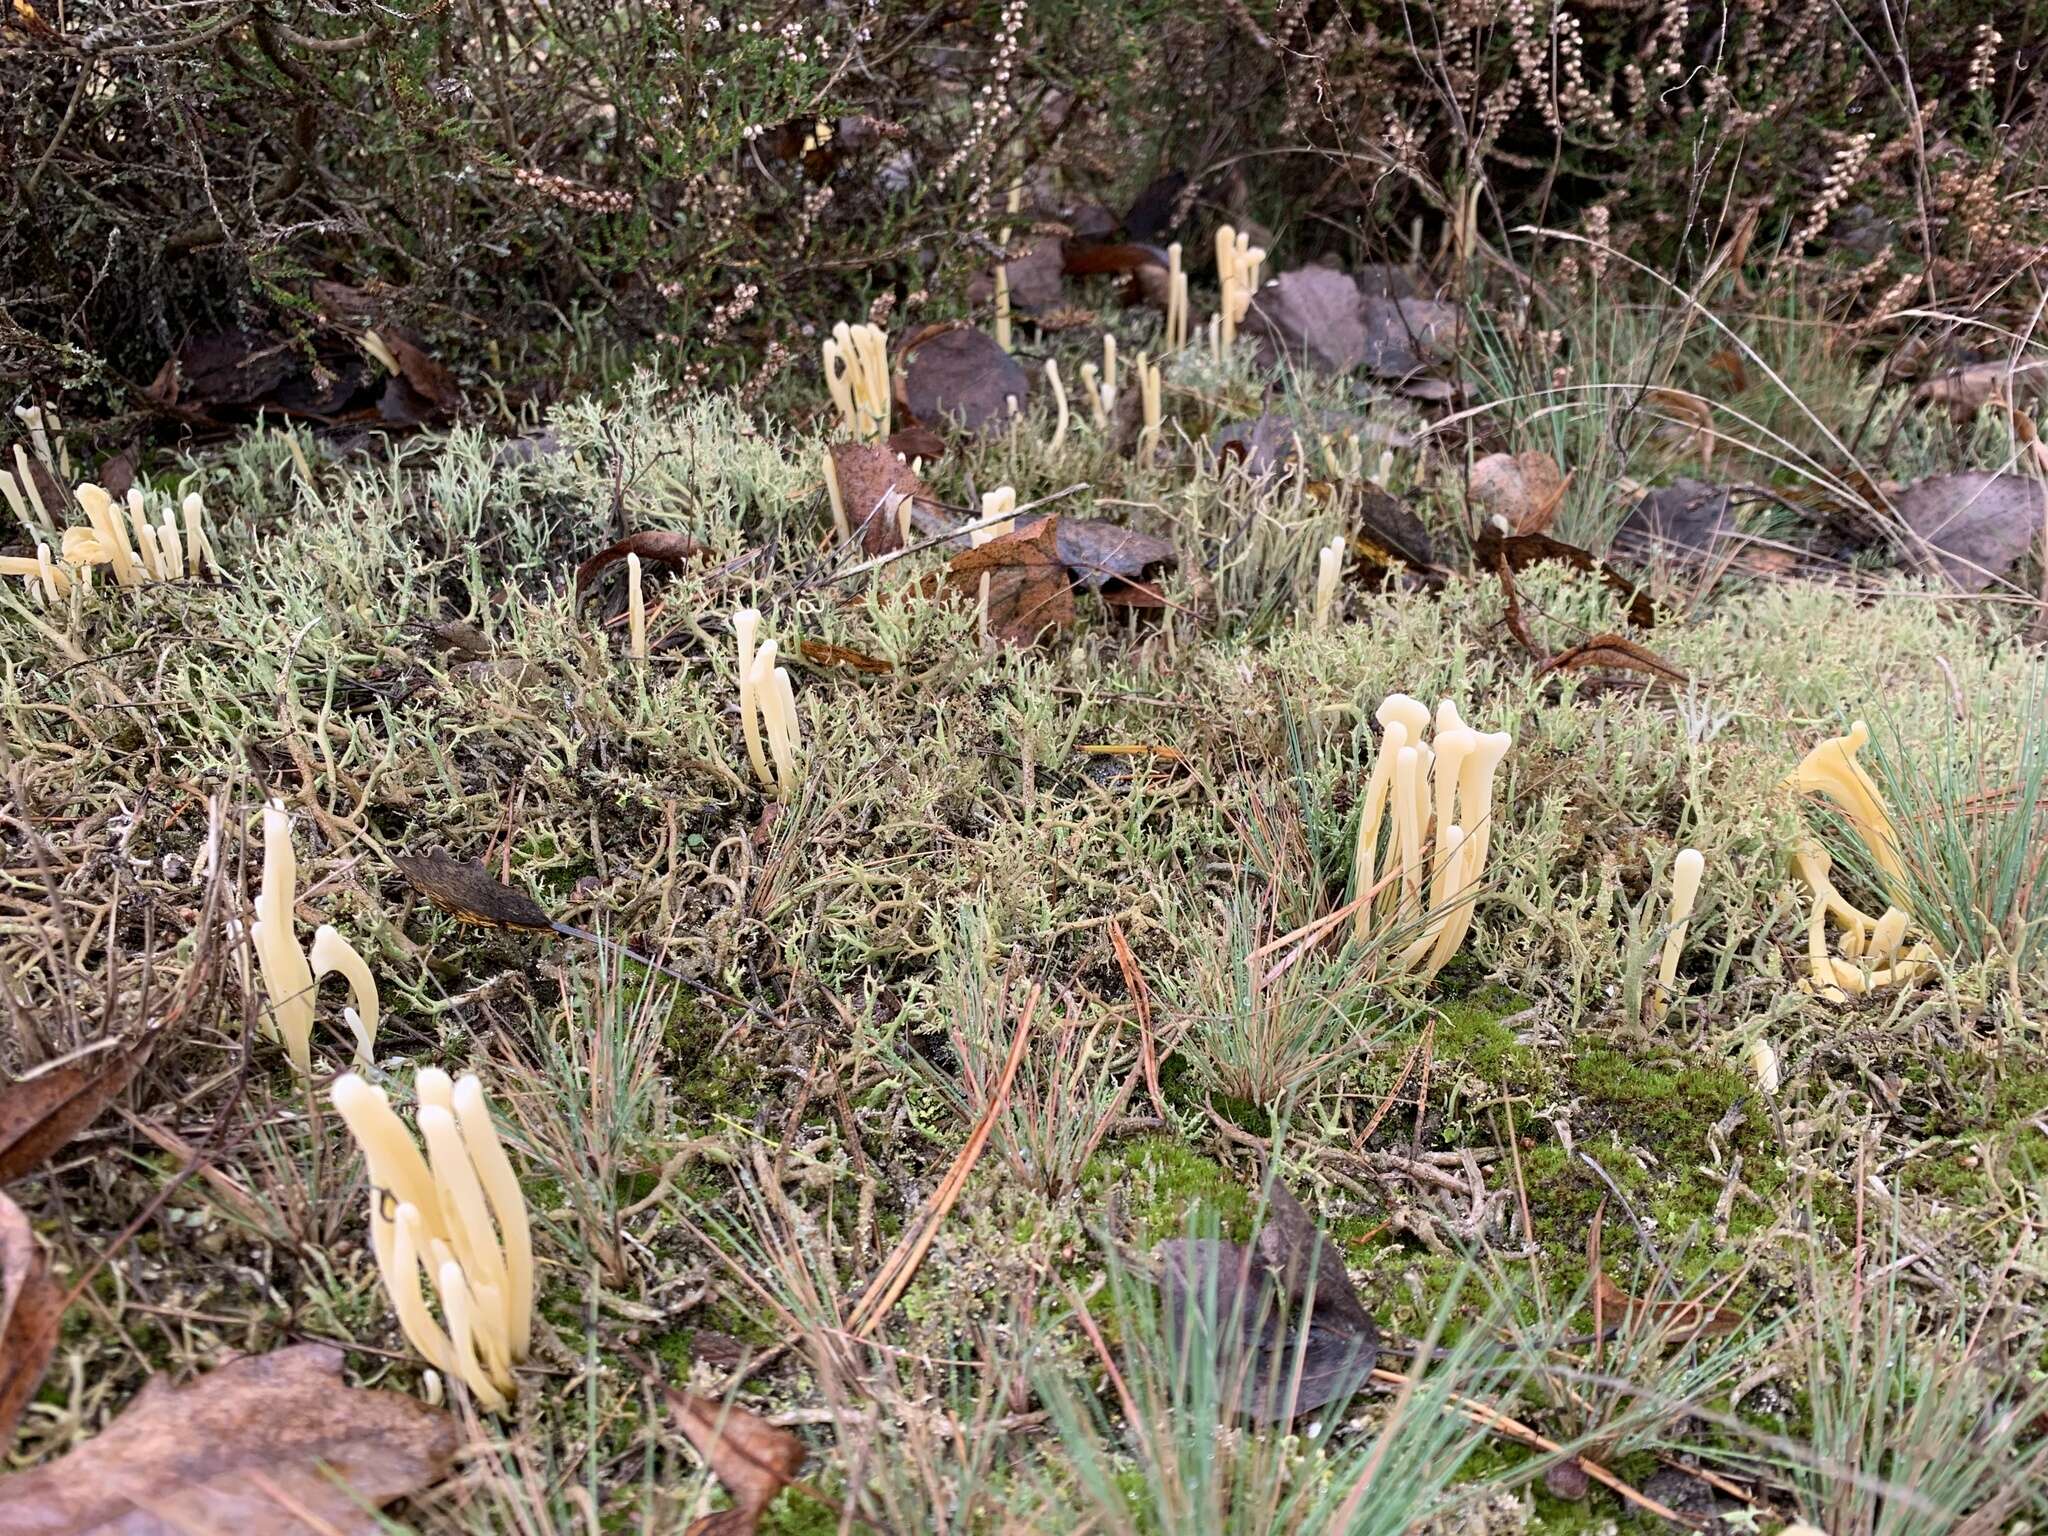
(1059, 400)
(1831, 770)
(1329, 569)
(1424, 831)
(112, 537)
(776, 698)
(998, 509)
(746, 628)
(1686, 870)
(1237, 270)
(636, 611)
(459, 1213)
(1091, 389)
(1873, 950)
(857, 373)
(1149, 396)
(1176, 331)
(841, 528)
(288, 979)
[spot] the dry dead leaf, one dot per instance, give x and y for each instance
(872, 485)
(962, 378)
(1406, 338)
(824, 654)
(914, 443)
(41, 1113)
(1686, 517)
(467, 892)
(1312, 317)
(31, 1306)
(1672, 1322)
(1525, 489)
(1616, 652)
(1966, 390)
(1029, 590)
(653, 546)
(1097, 553)
(1684, 420)
(271, 1444)
(1037, 272)
(1977, 526)
(1283, 1298)
(1518, 551)
(753, 1458)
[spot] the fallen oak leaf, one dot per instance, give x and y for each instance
(467, 893)
(754, 1459)
(1518, 551)
(873, 483)
(963, 378)
(31, 1307)
(40, 1113)
(1616, 652)
(825, 654)
(1670, 1322)
(276, 1444)
(1029, 590)
(1973, 527)
(658, 546)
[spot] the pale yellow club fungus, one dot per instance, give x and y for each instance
(197, 544)
(1874, 954)
(1435, 804)
(1686, 871)
(842, 530)
(1059, 400)
(1763, 1066)
(289, 979)
(1237, 271)
(31, 418)
(1015, 204)
(47, 515)
(331, 952)
(1175, 333)
(777, 700)
(1091, 390)
(1329, 571)
(1149, 396)
(856, 361)
(998, 517)
(145, 535)
(41, 574)
(9, 490)
(111, 536)
(1831, 770)
(170, 548)
(636, 611)
(458, 1213)
(746, 628)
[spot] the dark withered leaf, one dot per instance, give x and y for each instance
(41, 1113)
(961, 378)
(1263, 1307)
(1097, 552)
(1029, 590)
(825, 654)
(658, 546)
(466, 891)
(1519, 551)
(1617, 653)
(31, 1308)
(1687, 517)
(872, 484)
(1976, 527)
(1312, 317)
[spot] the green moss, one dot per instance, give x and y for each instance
(1470, 1033)
(1157, 1181)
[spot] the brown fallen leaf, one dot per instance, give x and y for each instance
(960, 377)
(1615, 652)
(1976, 527)
(1405, 339)
(915, 443)
(1727, 363)
(1686, 518)
(1525, 489)
(1029, 590)
(1312, 317)
(825, 654)
(753, 1458)
(1518, 551)
(466, 892)
(1684, 420)
(462, 638)
(1283, 1317)
(40, 1113)
(1671, 1322)
(1966, 390)
(422, 391)
(1097, 553)
(274, 1445)
(118, 473)
(1036, 272)
(31, 1306)
(872, 485)
(653, 545)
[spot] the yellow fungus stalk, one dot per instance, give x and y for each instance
(1059, 400)
(636, 611)
(1149, 382)
(459, 1214)
(331, 952)
(1831, 770)
(1329, 570)
(1686, 870)
(746, 628)
(856, 361)
(841, 528)
(112, 537)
